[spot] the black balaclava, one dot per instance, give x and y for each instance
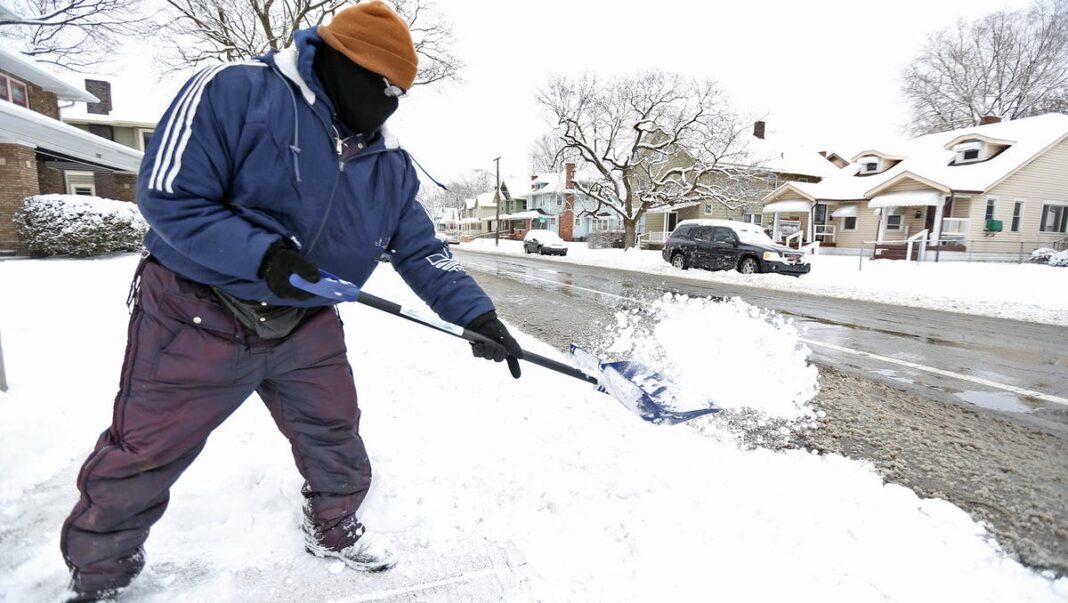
(358, 95)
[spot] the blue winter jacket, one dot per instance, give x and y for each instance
(249, 154)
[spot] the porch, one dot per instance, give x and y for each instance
(917, 222)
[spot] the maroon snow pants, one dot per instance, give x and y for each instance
(189, 364)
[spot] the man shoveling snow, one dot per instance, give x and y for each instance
(259, 171)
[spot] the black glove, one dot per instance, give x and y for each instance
(506, 347)
(278, 263)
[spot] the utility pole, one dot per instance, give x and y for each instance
(497, 204)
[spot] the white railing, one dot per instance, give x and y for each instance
(922, 238)
(825, 230)
(812, 248)
(797, 235)
(788, 227)
(656, 237)
(955, 228)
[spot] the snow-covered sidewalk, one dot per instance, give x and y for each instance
(536, 489)
(1030, 292)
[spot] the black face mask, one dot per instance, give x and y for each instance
(358, 95)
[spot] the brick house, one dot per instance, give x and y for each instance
(39, 154)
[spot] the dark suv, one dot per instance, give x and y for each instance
(726, 245)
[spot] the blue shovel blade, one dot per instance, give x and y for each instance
(328, 286)
(641, 390)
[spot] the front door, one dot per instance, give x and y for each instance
(672, 221)
(928, 219)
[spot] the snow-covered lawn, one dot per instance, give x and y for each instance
(587, 501)
(1031, 292)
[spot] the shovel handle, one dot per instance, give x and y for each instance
(457, 331)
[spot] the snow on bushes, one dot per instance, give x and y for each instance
(1059, 259)
(79, 225)
(1046, 255)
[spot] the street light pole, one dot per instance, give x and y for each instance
(497, 204)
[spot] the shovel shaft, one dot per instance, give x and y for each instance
(397, 310)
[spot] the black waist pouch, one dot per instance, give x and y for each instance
(262, 319)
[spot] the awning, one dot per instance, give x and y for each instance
(793, 206)
(667, 209)
(846, 211)
(19, 125)
(907, 199)
(470, 221)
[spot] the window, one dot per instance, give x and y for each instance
(145, 137)
(893, 222)
(849, 223)
(871, 167)
(14, 91)
(708, 209)
(1054, 218)
(703, 233)
(722, 235)
(1017, 215)
(991, 208)
(80, 183)
(971, 155)
(757, 219)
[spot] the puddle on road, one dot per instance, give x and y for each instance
(891, 374)
(1002, 401)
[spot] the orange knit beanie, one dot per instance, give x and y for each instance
(371, 35)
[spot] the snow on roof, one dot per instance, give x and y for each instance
(447, 214)
(518, 188)
(20, 125)
(481, 200)
(7, 14)
(109, 120)
(927, 160)
(555, 182)
(777, 155)
(29, 70)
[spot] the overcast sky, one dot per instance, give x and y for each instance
(824, 74)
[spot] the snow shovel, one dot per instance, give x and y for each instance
(641, 390)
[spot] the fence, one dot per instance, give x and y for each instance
(954, 250)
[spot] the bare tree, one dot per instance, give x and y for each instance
(1008, 64)
(549, 154)
(458, 191)
(210, 31)
(652, 140)
(73, 34)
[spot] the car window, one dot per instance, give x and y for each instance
(703, 234)
(723, 235)
(682, 232)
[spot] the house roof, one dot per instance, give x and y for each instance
(29, 70)
(778, 155)
(447, 214)
(927, 160)
(481, 200)
(21, 126)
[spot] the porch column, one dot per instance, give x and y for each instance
(884, 213)
(776, 233)
(812, 223)
(936, 233)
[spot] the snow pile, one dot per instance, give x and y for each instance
(729, 354)
(493, 488)
(1059, 259)
(79, 225)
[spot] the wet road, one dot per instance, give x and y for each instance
(1016, 369)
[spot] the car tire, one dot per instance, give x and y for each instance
(526, 249)
(541, 250)
(748, 265)
(679, 261)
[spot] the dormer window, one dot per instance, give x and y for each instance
(870, 165)
(971, 151)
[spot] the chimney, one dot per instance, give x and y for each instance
(986, 120)
(102, 90)
(758, 129)
(567, 218)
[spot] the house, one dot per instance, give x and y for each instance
(39, 154)
(478, 216)
(999, 187)
(775, 161)
(566, 211)
(98, 119)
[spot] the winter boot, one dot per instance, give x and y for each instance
(371, 553)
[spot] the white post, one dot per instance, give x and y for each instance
(812, 223)
(884, 213)
(776, 233)
(937, 232)
(3, 375)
